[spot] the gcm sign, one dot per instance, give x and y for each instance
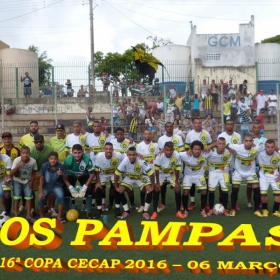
(224, 41)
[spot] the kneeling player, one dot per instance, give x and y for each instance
(138, 173)
(167, 167)
(105, 167)
(269, 161)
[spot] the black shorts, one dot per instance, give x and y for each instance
(215, 97)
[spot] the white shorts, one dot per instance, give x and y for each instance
(199, 182)
(271, 110)
(264, 185)
(166, 178)
(218, 179)
(237, 178)
(130, 183)
(106, 178)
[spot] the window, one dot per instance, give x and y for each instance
(213, 56)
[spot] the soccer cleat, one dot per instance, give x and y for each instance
(185, 213)
(83, 191)
(52, 213)
(124, 215)
(161, 207)
(146, 216)
(73, 206)
(73, 191)
(249, 205)
(210, 213)
(118, 212)
(89, 216)
(203, 213)
(180, 215)
(225, 212)
(141, 209)
(103, 207)
(191, 207)
(258, 213)
(133, 206)
(109, 207)
(232, 213)
(98, 214)
(276, 214)
(237, 207)
(207, 207)
(265, 213)
(83, 208)
(154, 216)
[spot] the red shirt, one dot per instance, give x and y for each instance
(103, 126)
(260, 118)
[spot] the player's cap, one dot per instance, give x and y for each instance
(7, 134)
(60, 126)
(261, 90)
(38, 137)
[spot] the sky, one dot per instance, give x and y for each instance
(62, 27)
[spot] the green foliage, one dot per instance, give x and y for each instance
(44, 64)
(275, 39)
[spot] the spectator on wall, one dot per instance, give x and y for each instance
(82, 92)
(27, 80)
(9, 108)
(243, 88)
(215, 95)
(261, 101)
(195, 105)
(272, 105)
(69, 88)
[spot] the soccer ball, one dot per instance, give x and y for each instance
(72, 215)
(218, 209)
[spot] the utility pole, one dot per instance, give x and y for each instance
(92, 42)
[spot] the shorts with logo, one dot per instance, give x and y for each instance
(200, 183)
(218, 179)
(264, 185)
(271, 110)
(141, 183)
(167, 179)
(20, 189)
(237, 178)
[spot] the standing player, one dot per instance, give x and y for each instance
(105, 167)
(200, 134)
(245, 169)
(137, 172)
(79, 168)
(269, 162)
(58, 142)
(147, 150)
(28, 139)
(167, 168)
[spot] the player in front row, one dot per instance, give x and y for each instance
(269, 162)
(106, 164)
(167, 168)
(137, 172)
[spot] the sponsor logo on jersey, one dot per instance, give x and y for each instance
(274, 159)
(235, 139)
(137, 167)
(203, 137)
(124, 145)
(114, 161)
(225, 157)
(152, 149)
(102, 140)
(82, 139)
(201, 160)
(173, 161)
(253, 153)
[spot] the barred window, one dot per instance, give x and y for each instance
(213, 56)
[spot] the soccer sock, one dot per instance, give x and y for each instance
(88, 203)
(149, 198)
(178, 201)
(211, 199)
(8, 204)
(98, 195)
(103, 200)
(131, 197)
(185, 199)
(66, 203)
(118, 200)
(264, 206)
(276, 206)
(234, 196)
(142, 197)
(225, 199)
(155, 200)
(163, 193)
(84, 200)
(123, 199)
(192, 193)
(203, 200)
(257, 198)
(112, 194)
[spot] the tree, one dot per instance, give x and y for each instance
(44, 64)
(275, 39)
(158, 42)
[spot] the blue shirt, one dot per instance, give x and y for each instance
(196, 103)
(47, 92)
(51, 178)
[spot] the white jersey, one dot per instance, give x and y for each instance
(108, 166)
(96, 145)
(269, 166)
(123, 146)
(194, 166)
(245, 163)
(168, 165)
(175, 139)
(116, 108)
(134, 170)
(73, 139)
(148, 151)
(260, 141)
(202, 136)
(219, 162)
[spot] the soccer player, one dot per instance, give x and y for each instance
(219, 160)
(8, 148)
(23, 173)
(194, 175)
(167, 168)
(200, 134)
(137, 172)
(269, 162)
(79, 168)
(147, 150)
(245, 169)
(105, 167)
(58, 142)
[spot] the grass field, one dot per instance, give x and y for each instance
(261, 227)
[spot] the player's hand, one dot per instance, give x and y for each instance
(130, 140)
(98, 186)
(59, 172)
(189, 152)
(157, 187)
(140, 156)
(21, 163)
(7, 181)
(232, 151)
(30, 184)
(40, 196)
(160, 152)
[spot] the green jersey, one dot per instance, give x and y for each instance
(59, 147)
(78, 169)
(41, 157)
(187, 103)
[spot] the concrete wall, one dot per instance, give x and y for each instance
(21, 61)
(228, 49)
(3, 45)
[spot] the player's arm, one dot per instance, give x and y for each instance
(41, 193)
(91, 176)
(15, 168)
(32, 177)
